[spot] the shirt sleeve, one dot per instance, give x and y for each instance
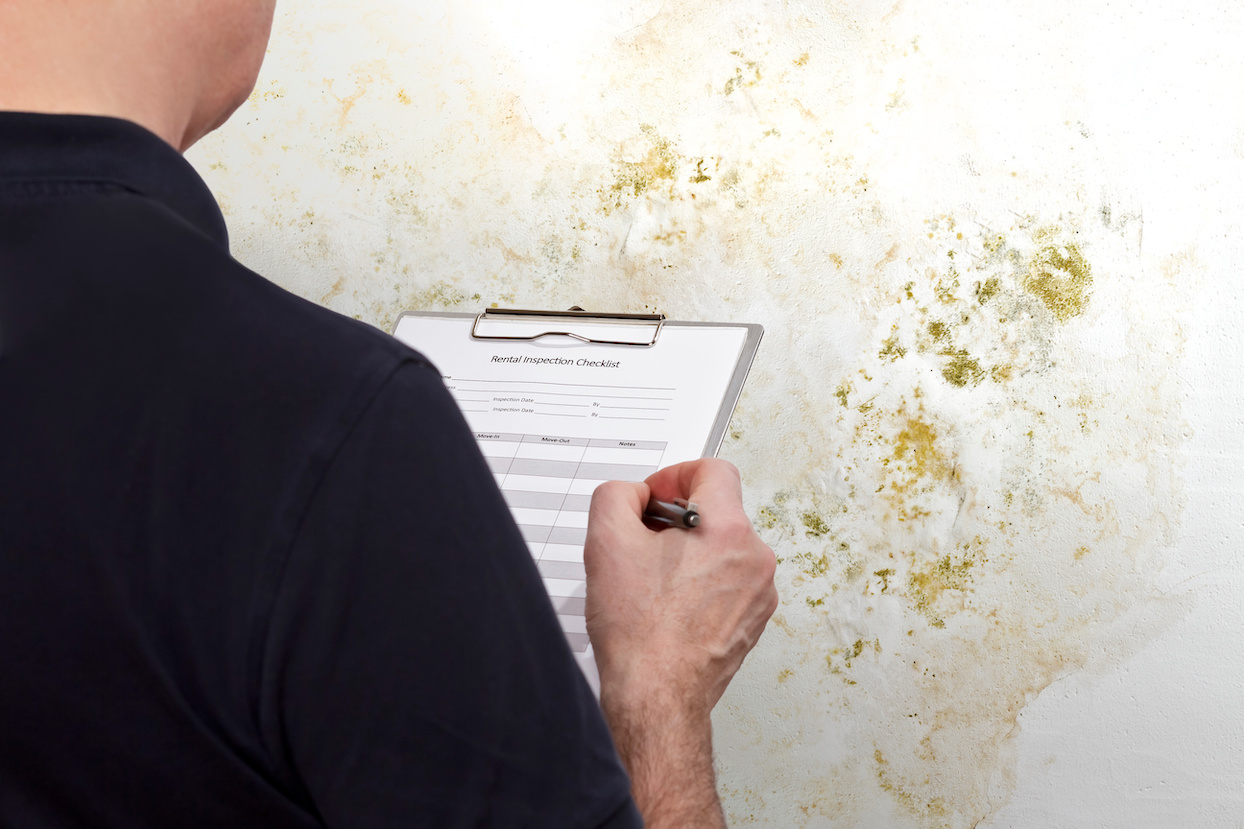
(414, 670)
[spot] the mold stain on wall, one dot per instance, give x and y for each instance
(960, 493)
(954, 529)
(657, 166)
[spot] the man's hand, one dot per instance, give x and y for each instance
(671, 615)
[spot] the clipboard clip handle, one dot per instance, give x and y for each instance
(561, 324)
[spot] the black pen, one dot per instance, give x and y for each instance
(680, 513)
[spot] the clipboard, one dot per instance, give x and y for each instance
(591, 328)
(560, 401)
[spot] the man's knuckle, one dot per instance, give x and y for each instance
(737, 529)
(768, 564)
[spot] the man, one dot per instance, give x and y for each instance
(253, 570)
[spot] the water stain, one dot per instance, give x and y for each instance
(333, 292)
(347, 103)
(932, 809)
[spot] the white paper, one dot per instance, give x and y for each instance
(556, 417)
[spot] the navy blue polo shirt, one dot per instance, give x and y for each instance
(253, 569)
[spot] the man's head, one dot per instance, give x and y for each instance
(178, 67)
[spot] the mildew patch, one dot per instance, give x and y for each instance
(436, 297)
(890, 349)
(930, 583)
(658, 165)
(964, 496)
(1060, 277)
(815, 525)
(986, 290)
(961, 369)
(746, 73)
(969, 436)
(917, 457)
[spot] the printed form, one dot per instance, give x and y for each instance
(555, 418)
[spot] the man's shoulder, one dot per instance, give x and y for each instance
(163, 285)
(145, 320)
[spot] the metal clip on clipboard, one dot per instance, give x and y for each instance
(584, 326)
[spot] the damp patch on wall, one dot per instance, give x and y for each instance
(982, 526)
(961, 433)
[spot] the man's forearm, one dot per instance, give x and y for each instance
(672, 615)
(668, 752)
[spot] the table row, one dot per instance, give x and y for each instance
(541, 467)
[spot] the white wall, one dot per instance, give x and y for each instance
(993, 430)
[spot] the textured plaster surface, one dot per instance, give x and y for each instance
(988, 433)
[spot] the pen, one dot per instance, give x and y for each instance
(680, 513)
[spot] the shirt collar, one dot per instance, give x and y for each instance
(89, 148)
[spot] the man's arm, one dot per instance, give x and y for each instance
(672, 614)
(415, 673)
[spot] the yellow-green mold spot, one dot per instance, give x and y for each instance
(924, 587)
(962, 369)
(916, 447)
(986, 290)
(635, 177)
(815, 524)
(1060, 277)
(890, 349)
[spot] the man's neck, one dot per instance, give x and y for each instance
(73, 105)
(50, 65)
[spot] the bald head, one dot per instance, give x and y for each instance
(177, 67)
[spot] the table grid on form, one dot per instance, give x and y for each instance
(548, 480)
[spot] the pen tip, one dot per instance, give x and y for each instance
(693, 519)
